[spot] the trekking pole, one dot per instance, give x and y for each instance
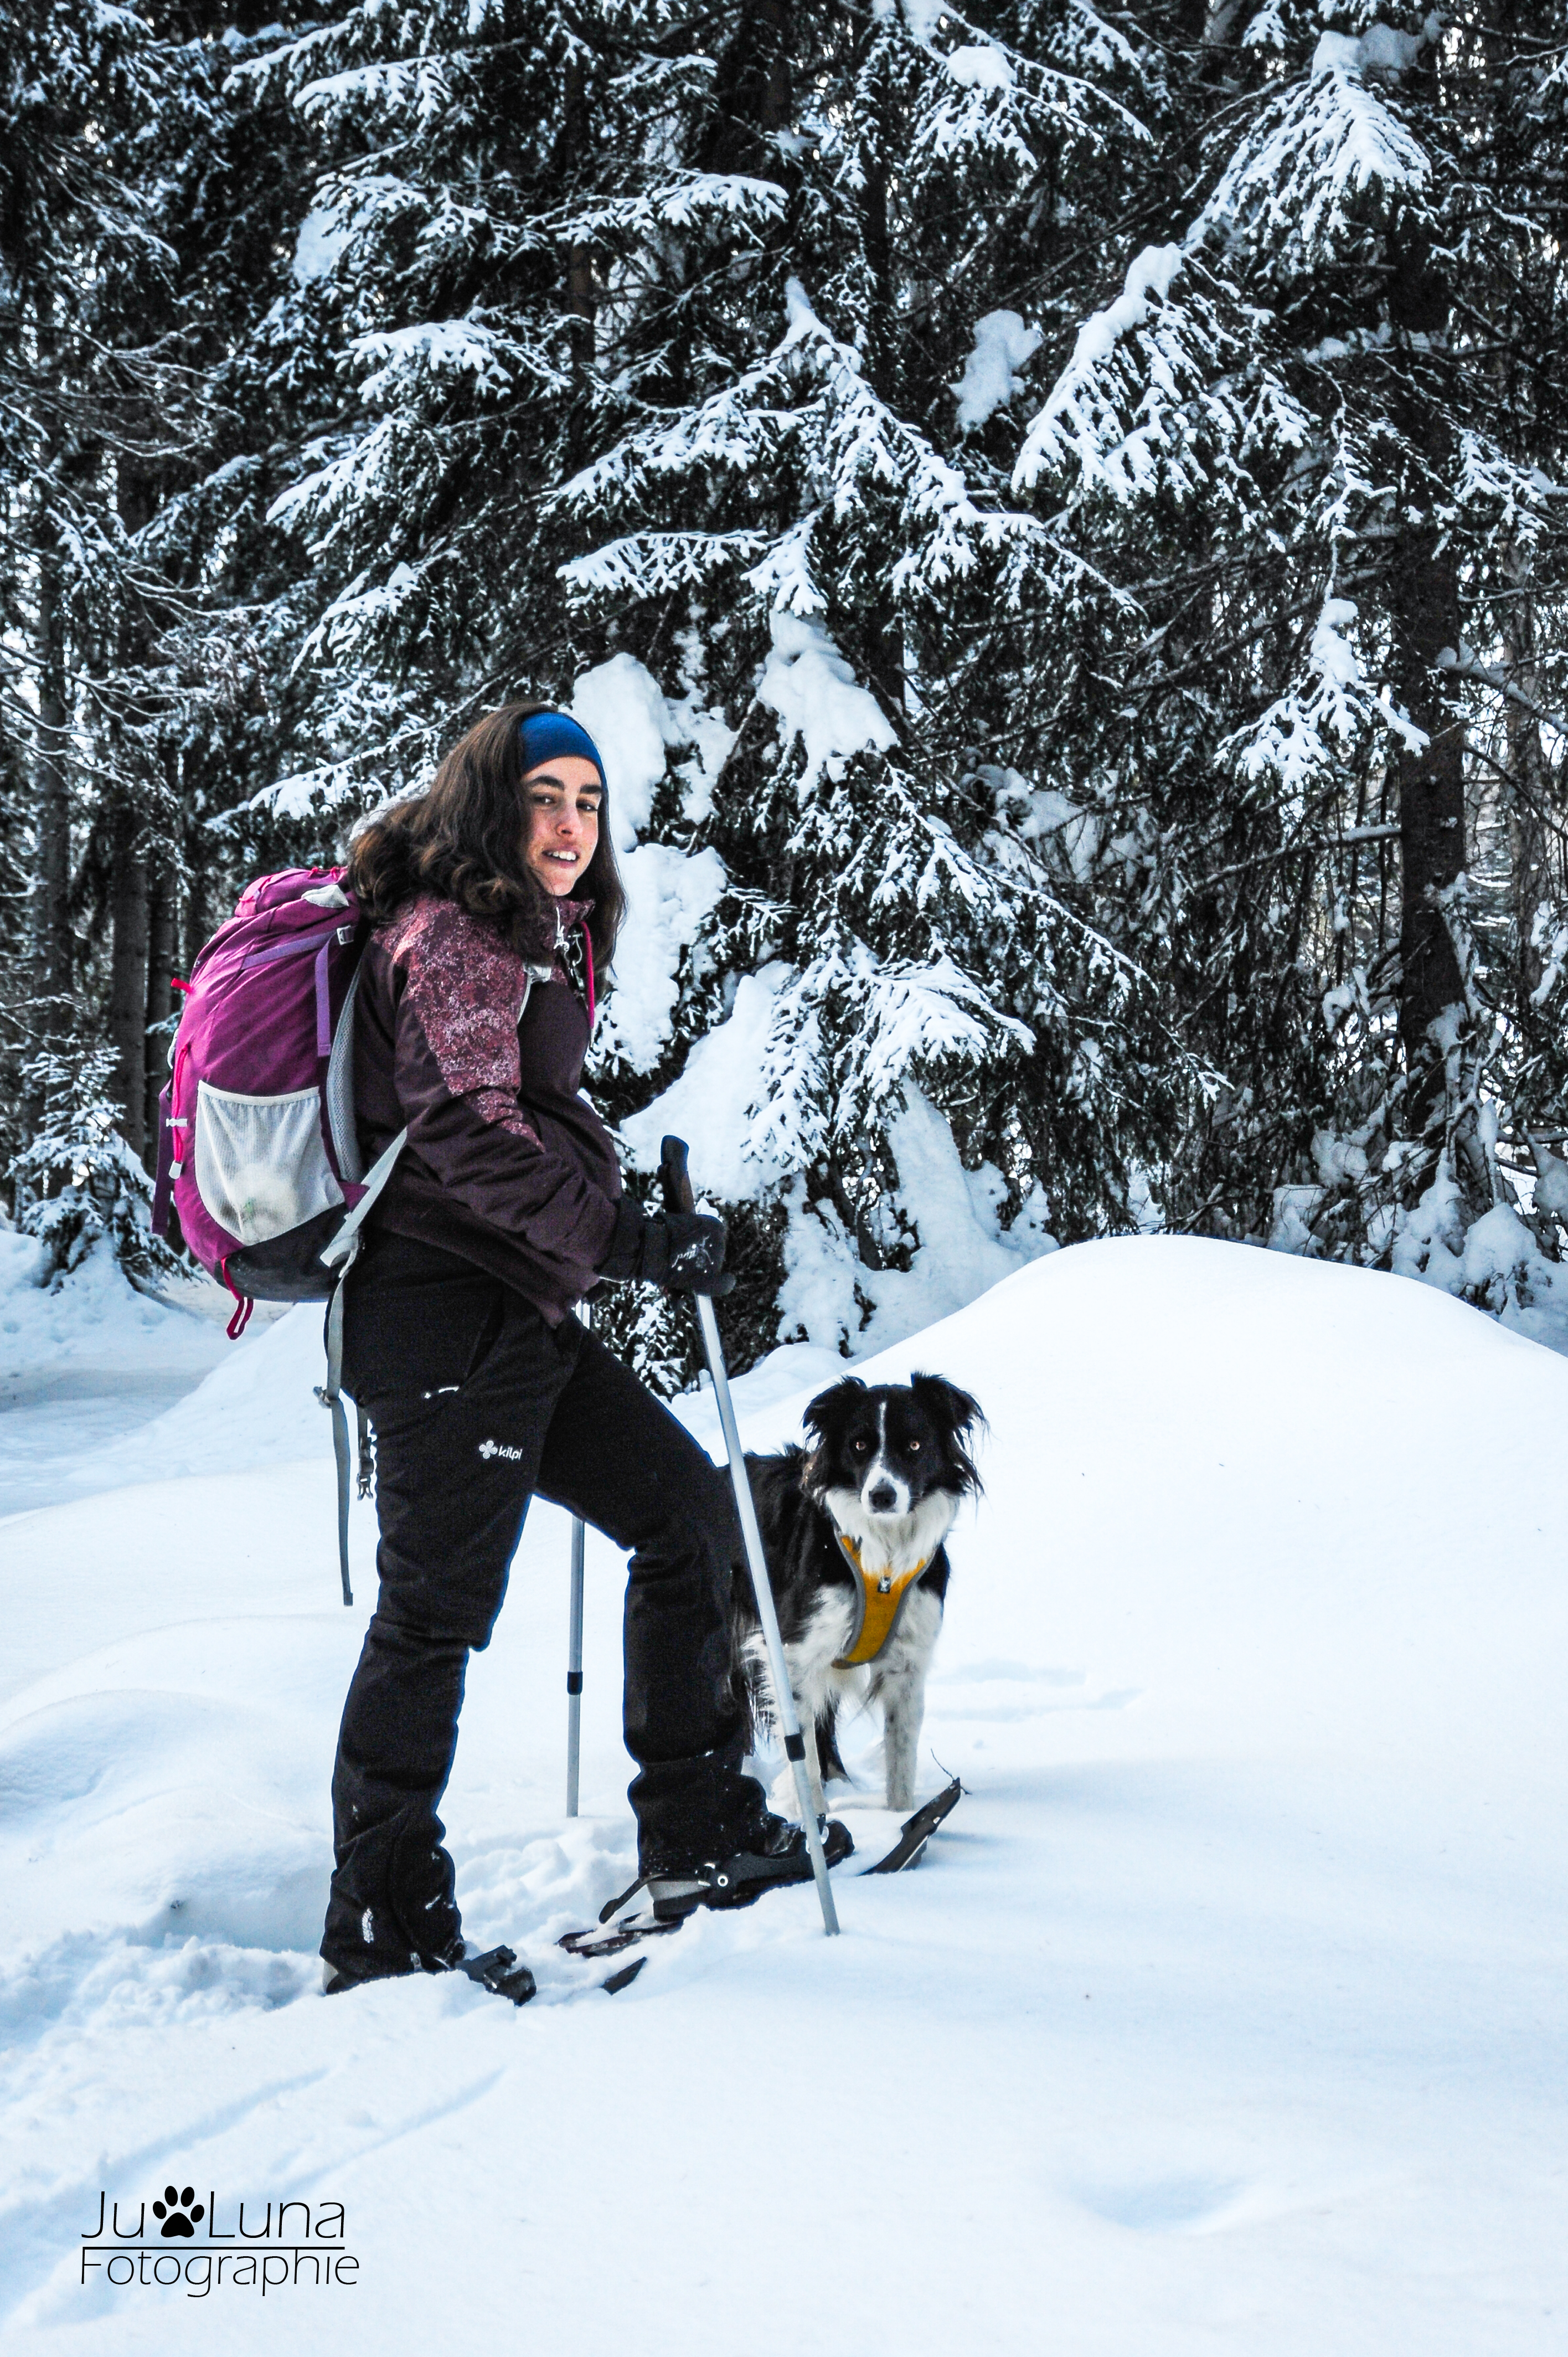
(678, 1197)
(575, 1652)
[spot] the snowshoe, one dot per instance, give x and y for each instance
(674, 1897)
(917, 1832)
(779, 1855)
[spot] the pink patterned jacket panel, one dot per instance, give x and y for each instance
(505, 1163)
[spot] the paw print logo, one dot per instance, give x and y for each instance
(179, 2212)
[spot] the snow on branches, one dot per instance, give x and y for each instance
(1004, 484)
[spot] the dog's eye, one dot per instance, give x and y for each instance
(914, 1448)
(860, 1446)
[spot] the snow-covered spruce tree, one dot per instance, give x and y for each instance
(929, 1051)
(979, 779)
(1309, 449)
(211, 694)
(77, 1182)
(439, 281)
(584, 282)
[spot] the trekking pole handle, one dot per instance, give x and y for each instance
(677, 1177)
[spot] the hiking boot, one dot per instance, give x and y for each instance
(776, 1851)
(383, 1963)
(334, 1980)
(497, 1970)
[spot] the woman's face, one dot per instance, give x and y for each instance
(562, 800)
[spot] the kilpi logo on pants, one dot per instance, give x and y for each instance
(499, 1449)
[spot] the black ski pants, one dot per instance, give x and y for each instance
(477, 1403)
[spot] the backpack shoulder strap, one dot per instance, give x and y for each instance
(340, 1089)
(340, 1255)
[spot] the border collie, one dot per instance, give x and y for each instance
(885, 1473)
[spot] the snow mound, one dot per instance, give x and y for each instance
(136, 1404)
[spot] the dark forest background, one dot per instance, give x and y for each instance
(1158, 411)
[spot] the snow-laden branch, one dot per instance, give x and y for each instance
(1520, 497)
(436, 348)
(987, 97)
(810, 396)
(859, 443)
(1301, 184)
(917, 1017)
(1149, 378)
(677, 203)
(654, 563)
(1123, 412)
(1465, 665)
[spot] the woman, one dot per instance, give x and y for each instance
(495, 897)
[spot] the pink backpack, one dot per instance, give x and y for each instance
(257, 1143)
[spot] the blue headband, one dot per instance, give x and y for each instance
(547, 735)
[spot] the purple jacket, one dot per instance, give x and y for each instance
(505, 1163)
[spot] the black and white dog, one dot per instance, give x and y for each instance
(854, 1529)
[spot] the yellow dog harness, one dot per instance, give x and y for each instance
(880, 1601)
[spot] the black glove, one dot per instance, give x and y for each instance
(681, 1251)
(685, 1253)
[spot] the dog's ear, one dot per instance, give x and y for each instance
(955, 1412)
(825, 1420)
(826, 1416)
(946, 1404)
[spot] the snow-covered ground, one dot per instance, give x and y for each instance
(87, 1367)
(1227, 2012)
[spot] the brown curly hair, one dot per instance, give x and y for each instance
(465, 840)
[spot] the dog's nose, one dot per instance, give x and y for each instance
(883, 1498)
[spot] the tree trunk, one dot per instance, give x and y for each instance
(1424, 611)
(1530, 858)
(128, 977)
(581, 306)
(53, 942)
(582, 302)
(876, 634)
(136, 878)
(162, 911)
(751, 91)
(1432, 800)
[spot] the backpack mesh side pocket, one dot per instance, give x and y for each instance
(261, 1164)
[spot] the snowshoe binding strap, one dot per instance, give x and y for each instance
(733, 1881)
(613, 1906)
(736, 1881)
(671, 1898)
(627, 1933)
